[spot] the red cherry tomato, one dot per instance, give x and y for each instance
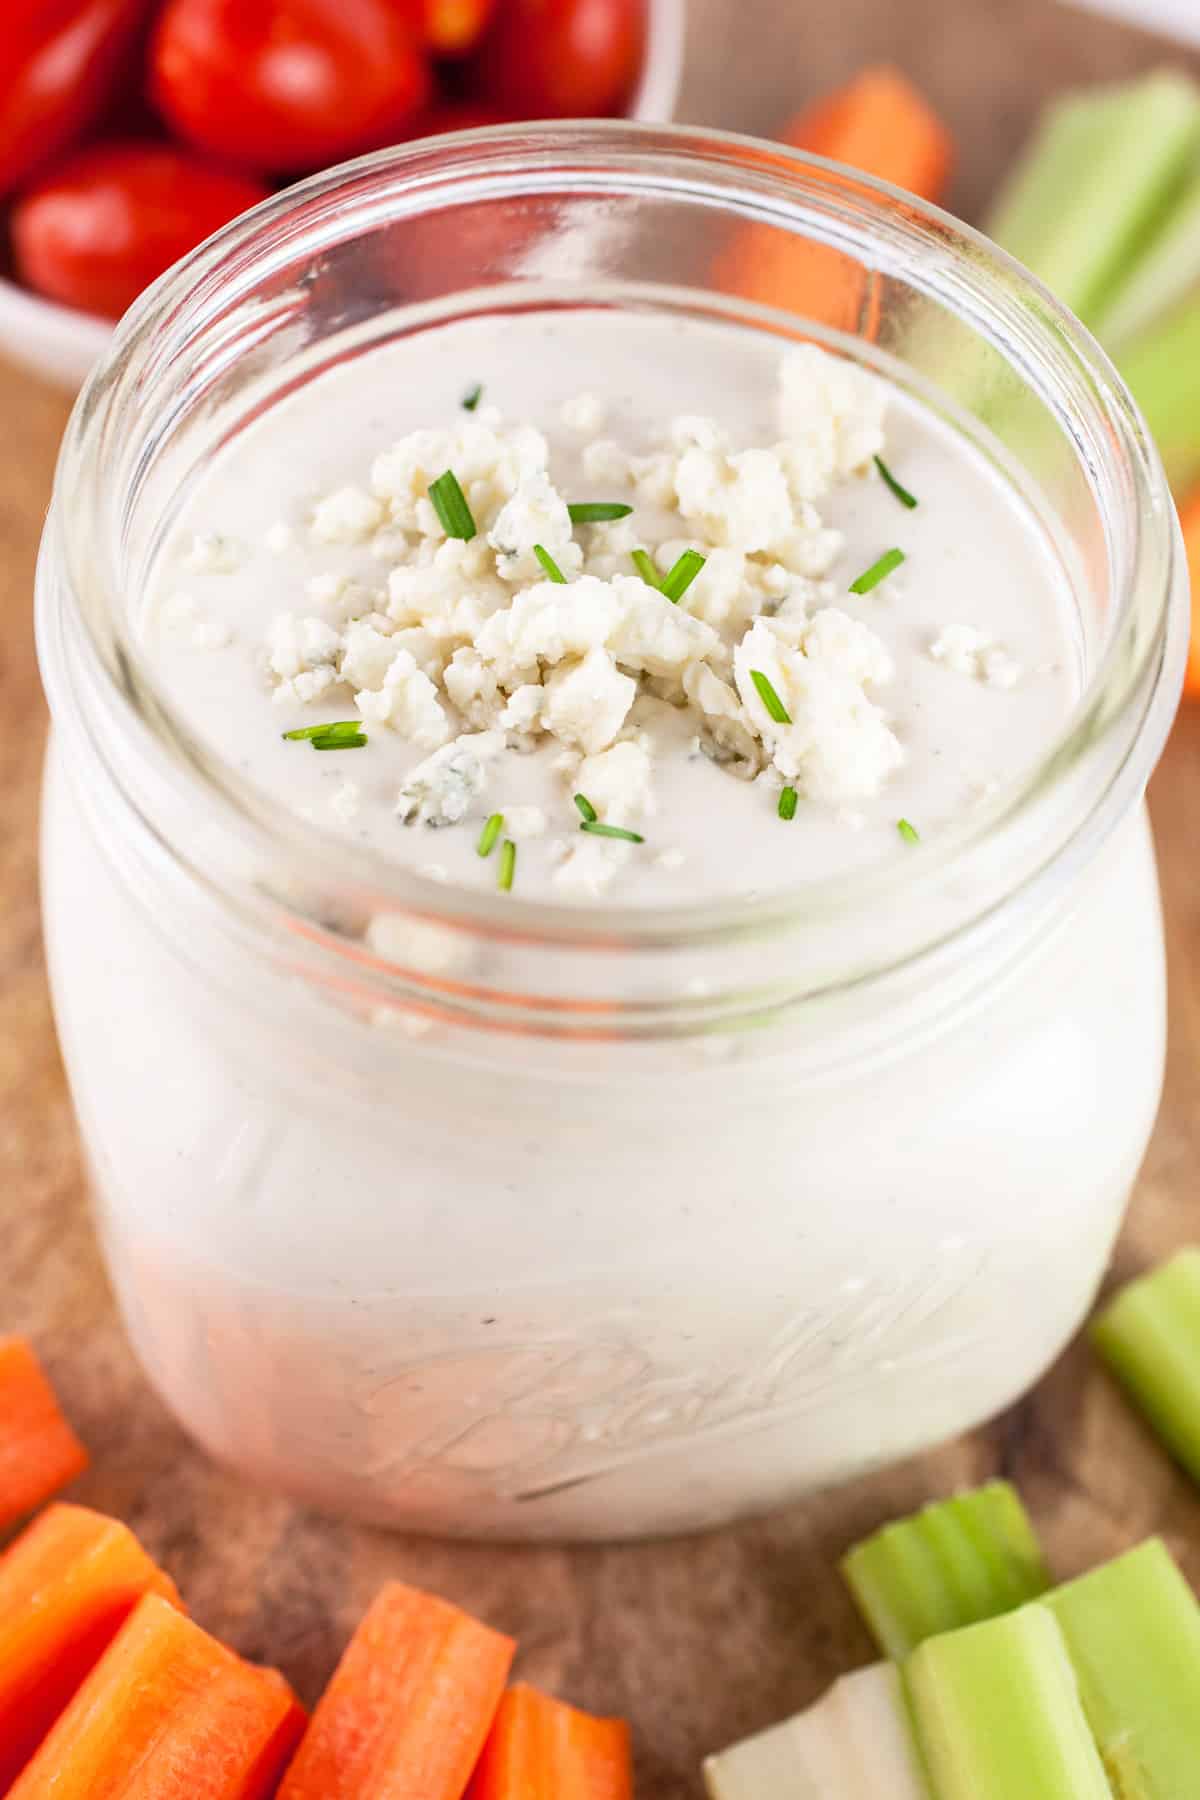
(60, 63)
(102, 225)
(450, 27)
(287, 85)
(561, 58)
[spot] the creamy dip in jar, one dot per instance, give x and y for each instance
(609, 961)
(311, 582)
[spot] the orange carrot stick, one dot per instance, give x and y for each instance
(67, 1585)
(1189, 517)
(539, 1749)
(880, 125)
(39, 1453)
(409, 1706)
(167, 1712)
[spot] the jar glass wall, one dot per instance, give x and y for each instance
(574, 1225)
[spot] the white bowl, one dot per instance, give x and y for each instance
(61, 344)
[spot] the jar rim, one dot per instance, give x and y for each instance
(1140, 673)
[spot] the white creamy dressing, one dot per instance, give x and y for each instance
(969, 648)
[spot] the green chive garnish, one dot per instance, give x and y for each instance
(586, 808)
(901, 492)
(787, 803)
(597, 512)
(870, 578)
(342, 734)
(450, 504)
(611, 831)
(472, 397)
(339, 728)
(908, 832)
(645, 568)
(548, 563)
(343, 741)
(770, 698)
(489, 834)
(678, 579)
(508, 866)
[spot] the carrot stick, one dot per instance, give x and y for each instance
(880, 125)
(409, 1706)
(39, 1453)
(167, 1712)
(67, 1585)
(539, 1749)
(1189, 518)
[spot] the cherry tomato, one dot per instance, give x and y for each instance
(561, 58)
(60, 63)
(450, 27)
(286, 85)
(102, 225)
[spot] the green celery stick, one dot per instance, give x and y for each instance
(1133, 1630)
(1162, 367)
(1096, 183)
(1165, 274)
(1150, 1337)
(956, 1562)
(998, 1713)
(856, 1741)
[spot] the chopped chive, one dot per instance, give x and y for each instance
(770, 698)
(954, 1563)
(901, 492)
(508, 866)
(472, 397)
(645, 568)
(787, 803)
(489, 834)
(878, 571)
(586, 808)
(611, 831)
(343, 741)
(342, 728)
(597, 512)
(339, 728)
(908, 832)
(548, 563)
(679, 578)
(450, 504)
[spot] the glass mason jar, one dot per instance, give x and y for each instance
(581, 1223)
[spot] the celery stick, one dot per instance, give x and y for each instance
(1133, 1630)
(1150, 1337)
(1165, 274)
(1162, 368)
(855, 1744)
(956, 1562)
(858, 1742)
(760, 1768)
(1095, 184)
(998, 1713)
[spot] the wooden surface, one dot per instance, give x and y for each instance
(697, 1641)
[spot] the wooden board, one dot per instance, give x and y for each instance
(701, 1640)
